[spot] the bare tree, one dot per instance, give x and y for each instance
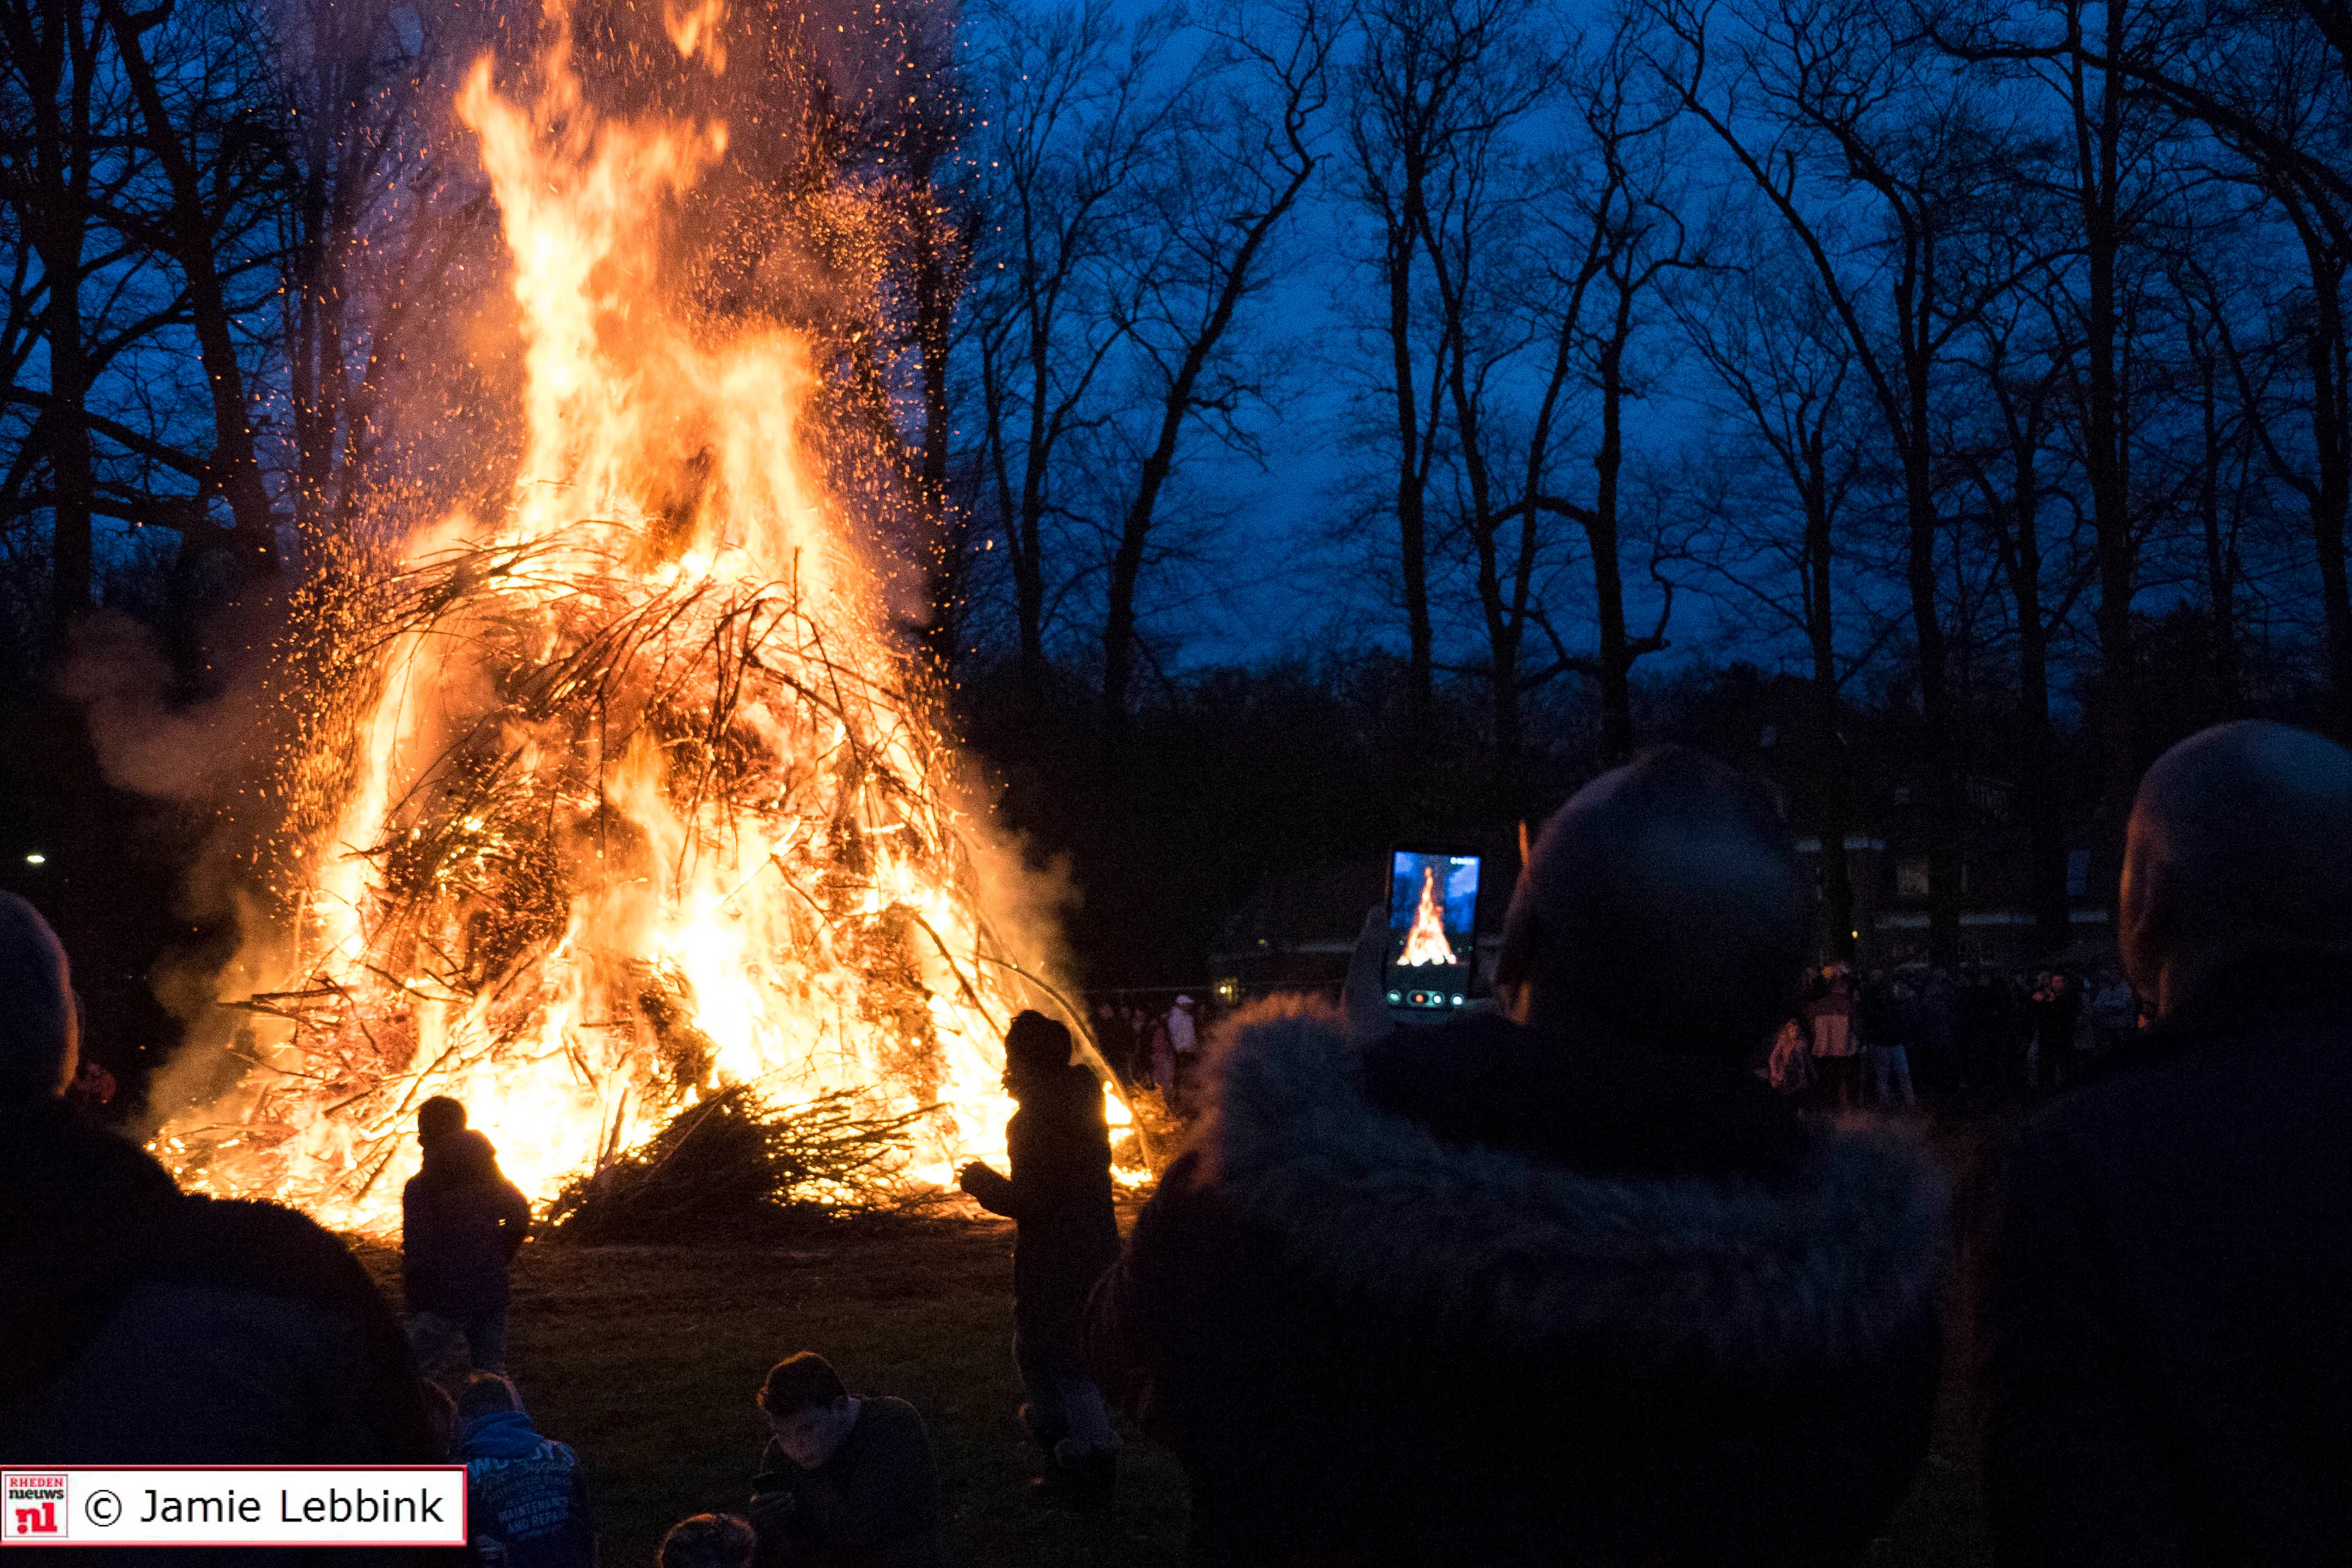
(202, 88)
(2274, 85)
(2115, 177)
(1842, 122)
(147, 187)
(60, 98)
(1623, 215)
(1768, 334)
(2023, 353)
(1436, 79)
(1232, 170)
(363, 219)
(2233, 398)
(911, 164)
(1073, 118)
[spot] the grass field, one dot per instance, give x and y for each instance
(646, 1360)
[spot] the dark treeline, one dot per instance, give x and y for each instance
(1957, 391)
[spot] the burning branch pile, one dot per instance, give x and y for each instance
(735, 1168)
(630, 805)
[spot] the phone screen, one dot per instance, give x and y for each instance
(1432, 928)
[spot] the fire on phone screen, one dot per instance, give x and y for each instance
(1433, 947)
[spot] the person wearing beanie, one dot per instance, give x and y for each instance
(1560, 1283)
(149, 1326)
(1058, 1196)
(461, 1222)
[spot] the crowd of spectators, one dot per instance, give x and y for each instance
(1561, 1282)
(1969, 1037)
(1148, 1049)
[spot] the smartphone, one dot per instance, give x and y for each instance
(1433, 949)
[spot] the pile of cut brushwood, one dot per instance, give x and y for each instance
(734, 1167)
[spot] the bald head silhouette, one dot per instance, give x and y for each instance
(2240, 849)
(1661, 904)
(38, 1041)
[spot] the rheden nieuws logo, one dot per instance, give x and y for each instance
(33, 1505)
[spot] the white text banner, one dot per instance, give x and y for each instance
(233, 1505)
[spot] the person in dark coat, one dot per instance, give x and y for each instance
(1059, 1195)
(2170, 1377)
(2056, 1008)
(145, 1326)
(461, 1222)
(1987, 1025)
(1566, 1284)
(843, 1482)
(1935, 1035)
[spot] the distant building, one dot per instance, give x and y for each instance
(1889, 869)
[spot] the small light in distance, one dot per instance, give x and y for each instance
(36, 858)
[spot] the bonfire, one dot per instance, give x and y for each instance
(634, 804)
(1424, 942)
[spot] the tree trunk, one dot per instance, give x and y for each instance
(1607, 574)
(1175, 408)
(1502, 634)
(2097, 153)
(1028, 545)
(1829, 758)
(1126, 573)
(57, 69)
(2331, 423)
(1412, 534)
(314, 425)
(2045, 810)
(67, 437)
(1944, 761)
(2221, 594)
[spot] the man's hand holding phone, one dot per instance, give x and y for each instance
(772, 1509)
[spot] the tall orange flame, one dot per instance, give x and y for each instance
(1426, 944)
(639, 806)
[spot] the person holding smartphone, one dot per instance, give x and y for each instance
(844, 1482)
(1562, 1281)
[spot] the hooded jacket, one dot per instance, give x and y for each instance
(1059, 1195)
(461, 1222)
(526, 1492)
(1476, 1295)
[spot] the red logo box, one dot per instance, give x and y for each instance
(33, 1506)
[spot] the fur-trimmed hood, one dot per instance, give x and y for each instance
(1834, 1262)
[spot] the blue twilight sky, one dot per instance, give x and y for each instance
(1290, 533)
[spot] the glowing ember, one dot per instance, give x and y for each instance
(635, 805)
(1425, 942)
